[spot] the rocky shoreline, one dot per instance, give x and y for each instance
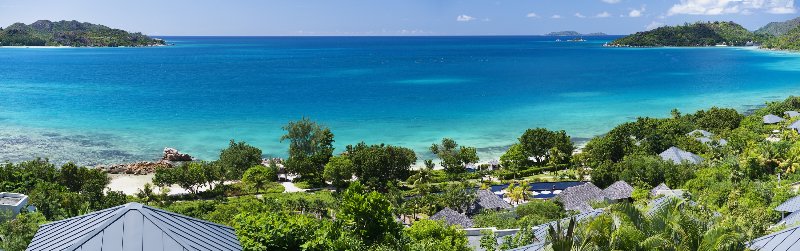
(171, 158)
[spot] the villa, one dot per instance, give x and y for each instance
(13, 202)
(791, 114)
(772, 119)
(453, 218)
(678, 156)
(134, 227)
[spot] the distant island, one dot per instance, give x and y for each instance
(72, 33)
(778, 28)
(573, 33)
(696, 34)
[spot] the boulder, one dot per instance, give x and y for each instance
(172, 154)
(138, 168)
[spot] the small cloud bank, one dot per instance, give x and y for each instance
(532, 15)
(556, 16)
(579, 15)
(612, 1)
(653, 25)
(720, 7)
(603, 14)
(464, 18)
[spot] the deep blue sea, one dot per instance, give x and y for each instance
(114, 105)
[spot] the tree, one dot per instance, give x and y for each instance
(514, 159)
(189, 176)
(458, 196)
(537, 144)
(367, 214)
(258, 176)
(237, 158)
(310, 148)
(488, 240)
(16, 234)
(376, 165)
(430, 235)
(339, 171)
(274, 231)
(454, 158)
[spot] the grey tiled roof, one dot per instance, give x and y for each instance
(656, 204)
(795, 125)
(772, 119)
(618, 190)
(677, 156)
(792, 114)
(707, 140)
(540, 231)
(661, 186)
(791, 220)
(451, 217)
(702, 133)
(488, 200)
(790, 205)
(788, 239)
(578, 197)
(133, 227)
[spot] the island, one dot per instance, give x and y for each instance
(695, 34)
(72, 33)
(778, 28)
(786, 42)
(573, 33)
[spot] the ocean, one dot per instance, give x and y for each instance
(118, 105)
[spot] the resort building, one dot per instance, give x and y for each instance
(451, 217)
(618, 191)
(678, 156)
(786, 240)
(486, 199)
(655, 190)
(540, 231)
(795, 126)
(705, 137)
(700, 133)
(13, 202)
(547, 190)
(772, 119)
(578, 198)
(134, 227)
(791, 114)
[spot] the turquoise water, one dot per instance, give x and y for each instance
(112, 105)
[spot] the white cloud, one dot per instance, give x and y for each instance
(464, 18)
(579, 15)
(556, 16)
(653, 25)
(603, 14)
(636, 12)
(532, 15)
(612, 1)
(719, 7)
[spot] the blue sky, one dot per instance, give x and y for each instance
(394, 17)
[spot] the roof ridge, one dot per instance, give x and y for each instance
(117, 215)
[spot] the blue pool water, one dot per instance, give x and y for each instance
(112, 105)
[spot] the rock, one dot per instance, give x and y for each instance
(172, 154)
(138, 168)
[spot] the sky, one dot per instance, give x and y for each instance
(394, 17)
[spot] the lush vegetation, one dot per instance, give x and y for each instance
(695, 34)
(71, 33)
(373, 190)
(789, 41)
(778, 28)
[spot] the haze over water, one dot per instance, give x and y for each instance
(115, 105)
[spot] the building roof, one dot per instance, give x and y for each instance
(578, 197)
(792, 114)
(618, 190)
(701, 133)
(551, 186)
(486, 199)
(772, 119)
(791, 205)
(11, 199)
(677, 156)
(451, 217)
(661, 186)
(791, 220)
(540, 231)
(707, 140)
(133, 226)
(794, 125)
(788, 239)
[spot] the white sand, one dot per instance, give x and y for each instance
(130, 184)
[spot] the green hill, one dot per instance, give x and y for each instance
(789, 41)
(778, 28)
(71, 33)
(696, 34)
